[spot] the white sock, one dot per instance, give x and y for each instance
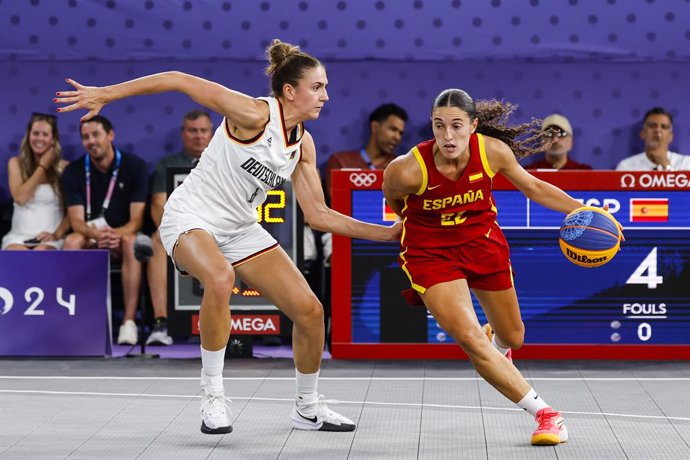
(306, 385)
(504, 351)
(532, 402)
(212, 362)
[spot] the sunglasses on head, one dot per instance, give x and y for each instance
(555, 132)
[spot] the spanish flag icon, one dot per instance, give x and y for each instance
(388, 214)
(475, 177)
(649, 210)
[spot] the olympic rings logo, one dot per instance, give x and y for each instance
(362, 179)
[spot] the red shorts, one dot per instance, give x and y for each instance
(484, 262)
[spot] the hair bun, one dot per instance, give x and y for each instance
(278, 53)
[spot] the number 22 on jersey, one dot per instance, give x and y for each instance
(453, 218)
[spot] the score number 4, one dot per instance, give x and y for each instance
(648, 266)
(652, 280)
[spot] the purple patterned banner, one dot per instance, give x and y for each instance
(54, 303)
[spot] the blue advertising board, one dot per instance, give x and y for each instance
(54, 303)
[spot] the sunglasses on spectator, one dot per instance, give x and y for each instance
(555, 132)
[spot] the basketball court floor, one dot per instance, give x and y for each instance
(149, 409)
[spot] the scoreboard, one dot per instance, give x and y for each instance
(635, 307)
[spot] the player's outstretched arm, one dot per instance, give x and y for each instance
(242, 110)
(502, 160)
(307, 186)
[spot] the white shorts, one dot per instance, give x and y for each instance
(237, 248)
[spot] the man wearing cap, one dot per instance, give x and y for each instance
(559, 129)
(657, 134)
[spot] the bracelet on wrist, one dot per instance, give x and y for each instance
(44, 168)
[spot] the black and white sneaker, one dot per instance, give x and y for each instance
(215, 411)
(315, 415)
(159, 337)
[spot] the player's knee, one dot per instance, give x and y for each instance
(514, 342)
(219, 285)
(514, 338)
(310, 313)
(469, 338)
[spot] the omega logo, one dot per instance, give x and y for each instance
(627, 180)
(671, 180)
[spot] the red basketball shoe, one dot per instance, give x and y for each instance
(551, 429)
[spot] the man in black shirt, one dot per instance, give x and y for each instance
(105, 194)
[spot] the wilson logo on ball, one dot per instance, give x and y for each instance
(584, 259)
(590, 237)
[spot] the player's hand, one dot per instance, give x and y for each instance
(620, 227)
(396, 231)
(91, 98)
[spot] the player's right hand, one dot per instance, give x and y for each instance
(91, 98)
(396, 230)
(620, 227)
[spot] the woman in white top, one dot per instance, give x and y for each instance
(209, 225)
(38, 221)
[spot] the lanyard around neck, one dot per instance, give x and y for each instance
(111, 185)
(365, 156)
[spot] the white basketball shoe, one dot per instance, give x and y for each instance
(215, 411)
(314, 414)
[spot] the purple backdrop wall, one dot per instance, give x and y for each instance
(601, 63)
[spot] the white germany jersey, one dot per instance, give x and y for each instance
(233, 176)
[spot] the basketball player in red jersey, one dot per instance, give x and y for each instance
(451, 242)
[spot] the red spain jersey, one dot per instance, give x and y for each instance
(443, 212)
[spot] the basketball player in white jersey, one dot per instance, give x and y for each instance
(209, 226)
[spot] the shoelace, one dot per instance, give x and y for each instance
(319, 402)
(544, 419)
(214, 401)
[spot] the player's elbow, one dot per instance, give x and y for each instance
(317, 220)
(317, 224)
